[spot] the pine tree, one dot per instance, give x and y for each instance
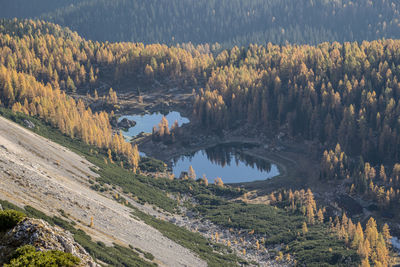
(382, 252)
(205, 180)
(365, 262)
(386, 233)
(304, 228)
(358, 236)
(320, 216)
(371, 232)
(310, 213)
(382, 173)
(218, 181)
(191, 173)
(109, 155)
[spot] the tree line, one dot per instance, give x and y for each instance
(59, 56)
(228, 22)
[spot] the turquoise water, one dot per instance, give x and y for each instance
(228, 162)
(146, 122)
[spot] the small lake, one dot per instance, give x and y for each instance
(146, 122)
(227, 161)
(396, 244)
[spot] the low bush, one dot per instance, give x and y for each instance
(28, 256)
(10, 218)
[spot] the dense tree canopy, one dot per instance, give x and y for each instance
(344, 96)
(229, 22)
(30, 83)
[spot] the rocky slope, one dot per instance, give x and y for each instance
(37, 172)
(43, 237)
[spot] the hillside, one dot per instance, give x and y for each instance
(238, 22)
(292, 94)
(49, 177)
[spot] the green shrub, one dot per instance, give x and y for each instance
(149, 256)
(28, 256)
(10, 218)
(151, 165)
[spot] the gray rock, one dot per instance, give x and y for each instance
(29, 124)
(43, 237)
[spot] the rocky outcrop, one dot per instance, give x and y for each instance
(29, 124)
(123, 124)
(126, 124)
(42, 236)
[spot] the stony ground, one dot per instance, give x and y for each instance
(239, 240)
(35, 171)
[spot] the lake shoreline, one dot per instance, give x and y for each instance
(167, 153)
(145, 121)
(228, 161)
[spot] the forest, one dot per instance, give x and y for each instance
(227, 22)
(344, 96)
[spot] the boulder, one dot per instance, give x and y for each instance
(29, 124)
(43, 237)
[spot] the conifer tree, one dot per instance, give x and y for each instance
(304, 228)
(191, 173)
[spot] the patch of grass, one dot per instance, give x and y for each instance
(192, 187)
(151, 165)
(114, 256)
(10, 218)
(28, 256)
(320, 248)
(317, 248)
(138, 185)
(148, 256)
(276, 224)
(215, 254)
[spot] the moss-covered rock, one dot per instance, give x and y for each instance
(43, 237)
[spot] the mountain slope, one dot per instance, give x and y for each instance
(23, 8)
(37, 172)
(230, 22)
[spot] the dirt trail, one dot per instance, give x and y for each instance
(35, 171)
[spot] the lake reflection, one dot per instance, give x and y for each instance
(227, 161)
(146, 122)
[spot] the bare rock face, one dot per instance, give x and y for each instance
(42, 236)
